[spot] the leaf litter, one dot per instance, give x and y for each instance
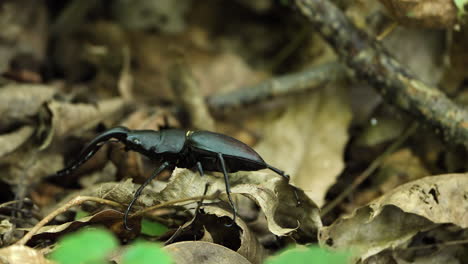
(105, 74)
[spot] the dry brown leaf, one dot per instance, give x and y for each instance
(70, 118)
(275, 197)
(190, 252)
(398, 215)
(422, 51)
(22, 254)
(28, 167)
(398, 168)
(14, 139)
(214, 71)
(308, 140)
(24, 31)
(424, 13)
(19, 102)
(455, 75)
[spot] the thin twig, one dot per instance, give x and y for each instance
(372, 62)
(75, 201)
(10, 203)
(389, 29)
(173, 202)
(278, 87)
(372, 167)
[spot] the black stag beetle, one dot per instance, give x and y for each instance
(185, 149)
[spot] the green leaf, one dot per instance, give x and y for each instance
(145, 253)
(80, 214)
(89, 246)
(461, 4)
(152, 228)
(309, 255)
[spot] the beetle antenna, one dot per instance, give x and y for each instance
(140, 189)
(228, 189)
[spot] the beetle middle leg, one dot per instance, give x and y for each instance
(200, 169)
(228, 187)
(140, 189)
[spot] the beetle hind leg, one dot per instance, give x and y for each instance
(228, 188)
(286, 176)
(279, 172)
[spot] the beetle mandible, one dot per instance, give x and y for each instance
(202, 150)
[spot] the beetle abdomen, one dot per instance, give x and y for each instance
(232, 149)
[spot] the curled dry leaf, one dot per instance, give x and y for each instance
(425, 13)
(13, 140)
(308, 140)
(274, 196)
(250, 247)
(70, 118)
(189, 252)
(19, 102)
(22, 254)
(400, 214)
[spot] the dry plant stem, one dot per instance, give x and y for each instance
(10, 203)
(372, 63)
(372, 167)
(389, 29)
(173, 202)
(310, 79)
(188, 93)
(74, 202)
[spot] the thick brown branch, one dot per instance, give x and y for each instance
(371, 62)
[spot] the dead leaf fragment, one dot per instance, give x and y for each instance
(15, 139)
(275, 197)
(18, 102)
(424, 13)
(70, 118)
(189, 252)
(21, 254)
(308, 140)
(397, 216)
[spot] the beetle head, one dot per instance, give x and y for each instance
(143, 140)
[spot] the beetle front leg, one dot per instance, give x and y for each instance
(140, 189)
(228, 187)
(200, 169)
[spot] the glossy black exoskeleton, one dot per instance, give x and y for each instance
(185, 149)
